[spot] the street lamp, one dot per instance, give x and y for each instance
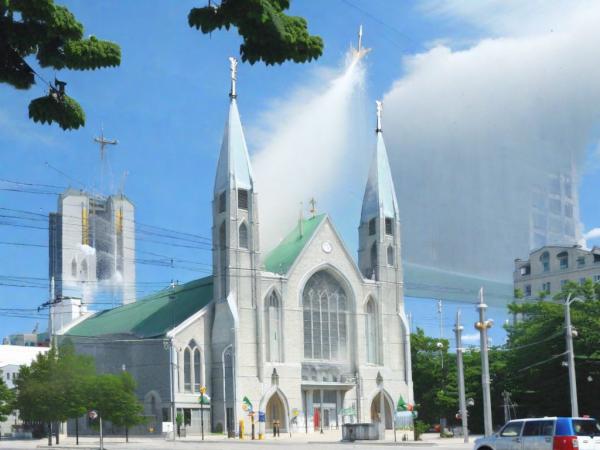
(482, 326)
(570, 333)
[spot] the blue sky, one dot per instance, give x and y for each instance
(166, 104)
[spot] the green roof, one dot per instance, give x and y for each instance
(152, 316)
(281, 258)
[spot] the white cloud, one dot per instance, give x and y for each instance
(510, 17)
(594, 233)
(473, 133)
(470, 338)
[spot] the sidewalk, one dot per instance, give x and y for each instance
(329, 437)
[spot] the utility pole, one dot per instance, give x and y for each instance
(482, 326)
(51, 313)
(171, 363)
(458, 329)
(440, 344)
(569, 333)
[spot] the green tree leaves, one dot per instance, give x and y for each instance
(6, 401)
(530, 366)
(65, 111)
(269, 35)
(53, 35)
(113, 397)
(63, 385)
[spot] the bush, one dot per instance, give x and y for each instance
(420, 428)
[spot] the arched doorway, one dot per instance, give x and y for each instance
(275, 410)
(375, 409)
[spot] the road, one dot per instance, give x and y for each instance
(224, 444)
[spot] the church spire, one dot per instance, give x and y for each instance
(233, 170)
(380, 196)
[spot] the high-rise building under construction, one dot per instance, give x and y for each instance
(92, 252)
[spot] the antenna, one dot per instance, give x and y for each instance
(104, 142)
(360, 51)
(233, 68)
(360, 33)
(301, 220)
(123, 180)
(379, 106)
(313, 207)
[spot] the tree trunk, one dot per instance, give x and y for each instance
(49, 434)
(76, 430)
(126, 434)
(57, 432)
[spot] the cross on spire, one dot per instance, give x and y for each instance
(233, 68)
(313, 206)
(104, 142)
(379, 106)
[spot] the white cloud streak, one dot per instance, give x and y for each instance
(304, 150)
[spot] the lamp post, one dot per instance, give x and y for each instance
(482, 326)
(204, 400)
(458, 329)
(569, 334)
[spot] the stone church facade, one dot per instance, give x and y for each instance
(309, 335)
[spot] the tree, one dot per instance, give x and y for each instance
(6, 401)
(53, 34)
(113, 397)
(75, 372)
(436, 388)
(269, 35)
(54, 387)
(37, 399)
(536, 347)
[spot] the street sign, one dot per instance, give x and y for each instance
(93, 415)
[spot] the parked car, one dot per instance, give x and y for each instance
(547, 433)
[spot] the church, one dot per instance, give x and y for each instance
(304, 335)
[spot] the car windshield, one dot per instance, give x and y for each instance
(586, 427)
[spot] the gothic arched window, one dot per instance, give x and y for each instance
(273, 327)
(390, 255)
(187, 370)
(74, 268)
(325, 307)
(243, 235)
(371, 332)
(84, 269)
(197, 370)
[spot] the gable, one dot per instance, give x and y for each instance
(326, 248)
(281, 258)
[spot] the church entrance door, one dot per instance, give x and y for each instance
(376, 414)
(275, 411)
